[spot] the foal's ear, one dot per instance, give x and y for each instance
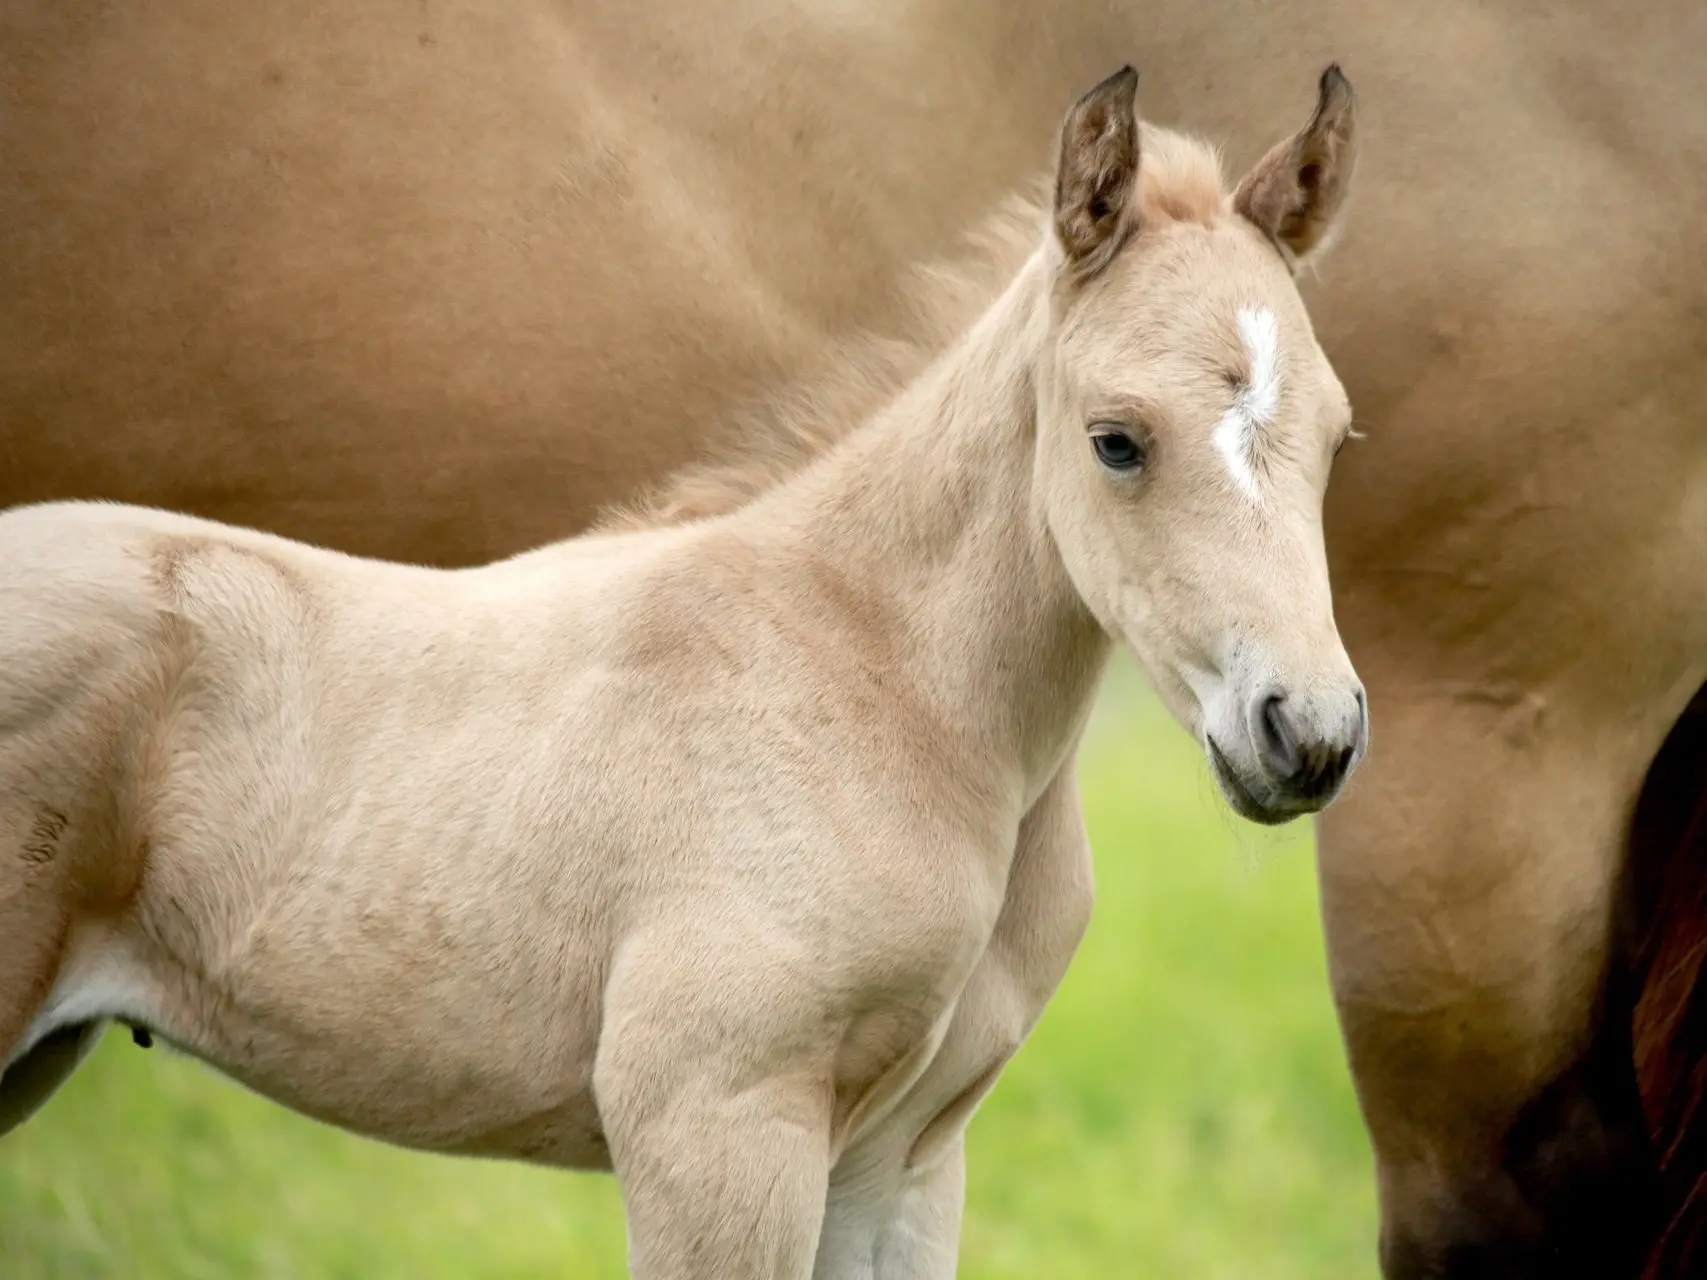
(1097, 175)
(1297, 191)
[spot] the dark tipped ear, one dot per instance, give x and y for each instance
(1296, 193)
(1097, 174)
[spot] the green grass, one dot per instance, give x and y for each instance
(1183, 1111)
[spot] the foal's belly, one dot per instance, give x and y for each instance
(494, 1097)
(424, 1050)
(491, 1071)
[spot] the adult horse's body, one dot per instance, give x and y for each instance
(736, 855)
(431, 281)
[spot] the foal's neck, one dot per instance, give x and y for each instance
(926, 518)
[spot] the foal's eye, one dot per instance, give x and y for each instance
(1116, 449)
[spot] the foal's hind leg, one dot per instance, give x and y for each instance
(33, 925)
(33, 1079)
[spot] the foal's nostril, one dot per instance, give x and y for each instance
(1295, 756)
(1277, 739)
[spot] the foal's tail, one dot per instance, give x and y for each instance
(1668, 886)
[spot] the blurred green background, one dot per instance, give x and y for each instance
(1182, 1112)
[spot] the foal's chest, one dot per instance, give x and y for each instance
(941, 1066)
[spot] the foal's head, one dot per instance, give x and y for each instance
(1187, 423)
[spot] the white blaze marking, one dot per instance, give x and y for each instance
(1257, 402)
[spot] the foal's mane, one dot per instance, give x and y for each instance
(1180, 180)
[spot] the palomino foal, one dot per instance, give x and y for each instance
(737, 856)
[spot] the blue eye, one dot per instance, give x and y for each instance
(1116, 449)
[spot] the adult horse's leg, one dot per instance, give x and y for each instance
(1514, 569)
(1470, 890)
(1516, 550)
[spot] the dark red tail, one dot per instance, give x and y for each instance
(1668, 898)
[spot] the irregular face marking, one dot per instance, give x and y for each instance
(1257, 402)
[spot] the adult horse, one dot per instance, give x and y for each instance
(432, 281)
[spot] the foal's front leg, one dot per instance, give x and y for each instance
(899, 1227)
(719, 1129)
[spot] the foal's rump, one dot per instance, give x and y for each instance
(84, 638)
(102, 610)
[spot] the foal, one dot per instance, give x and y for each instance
(738, 856)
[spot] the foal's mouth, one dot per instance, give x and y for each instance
(1240, 797)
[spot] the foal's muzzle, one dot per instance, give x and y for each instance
(1299, 754)
(1302, 759)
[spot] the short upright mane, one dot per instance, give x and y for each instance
(1180, 180)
